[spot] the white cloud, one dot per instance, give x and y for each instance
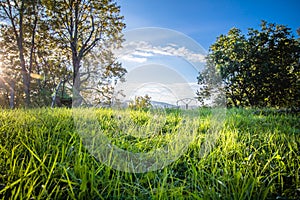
(159, 51)
(142, 54)
(185, 53)
(131, 58)
(139, 51)
(133, 45)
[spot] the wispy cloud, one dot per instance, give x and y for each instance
(135, 59)
(140, 52)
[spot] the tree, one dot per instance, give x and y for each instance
(53, 37)
(141, 102)
(29, 52)
(22, 17)
(99, 77)
(260, 69)
(211, 91)
(10, 70)
(83, 26)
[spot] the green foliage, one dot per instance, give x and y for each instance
(30, 60)
(141, 103)
(88, 31)
(255, 157)
(46, 42)
(260, 69)
(211, 89)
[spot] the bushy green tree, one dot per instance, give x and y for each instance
(260, 69)
(43, 42)
(85, 28)
(141, 102)
(31, 62)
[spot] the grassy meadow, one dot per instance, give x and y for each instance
(255, 156)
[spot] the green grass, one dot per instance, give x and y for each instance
(255, 156)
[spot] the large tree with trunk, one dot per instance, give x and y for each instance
(43, 41)
(31, 62)
(85, 28)
(21, 18)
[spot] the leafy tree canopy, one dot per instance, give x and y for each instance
(258, 69)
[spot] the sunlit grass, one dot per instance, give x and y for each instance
(255, 157)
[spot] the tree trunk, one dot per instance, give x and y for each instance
(25, 73)
(76, 82)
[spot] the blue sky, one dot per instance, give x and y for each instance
(204, 20)
(161, 63)
(170, 56)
